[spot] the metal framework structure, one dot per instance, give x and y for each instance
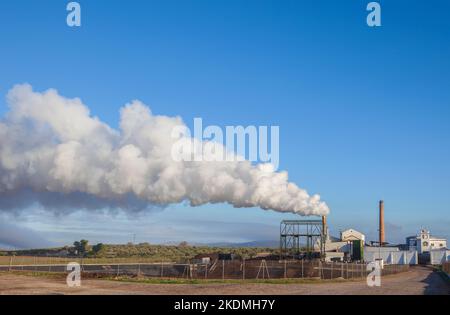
(298, 238)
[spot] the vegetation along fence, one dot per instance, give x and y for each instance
(446, 267)
(219, 269)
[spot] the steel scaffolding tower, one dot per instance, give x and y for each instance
(302, 238)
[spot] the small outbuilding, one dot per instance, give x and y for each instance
(352, 235)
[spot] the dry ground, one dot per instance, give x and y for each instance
(418, 281)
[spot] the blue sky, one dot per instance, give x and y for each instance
(363, 112)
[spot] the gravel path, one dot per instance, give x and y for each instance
(417, 281)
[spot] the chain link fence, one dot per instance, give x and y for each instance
(219, 269)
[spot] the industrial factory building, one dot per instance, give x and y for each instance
(348, 247)
(352, 246)
(424, 242)
(422, 247)
(352, 235)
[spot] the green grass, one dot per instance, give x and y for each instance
(220, 281)
(444, 275)
(180, 281)
(47, 275)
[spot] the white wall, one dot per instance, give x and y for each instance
(438, 257)
(376, 249)
(394, 257)
(337, 246)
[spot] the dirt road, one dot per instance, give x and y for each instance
(418, 281)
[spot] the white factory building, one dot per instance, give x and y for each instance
(345, 247)
(352, 235)
(351, 246)
(424, 242)
(421, 245)
(339, 249)
(348, 247)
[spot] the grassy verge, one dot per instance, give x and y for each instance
(175, 281)
(226, 281)
(444, 275)
(47, 275)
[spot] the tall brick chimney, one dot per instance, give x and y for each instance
(381, 228)
(324, 225)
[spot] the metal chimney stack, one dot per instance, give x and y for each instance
(324, 225)
(381, 229)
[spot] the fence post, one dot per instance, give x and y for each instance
(320, 269)
(285, 274)
(331, 272)
(351, 273)
(223, 269)
(342, 271)
(362, 271)
(353, 270)
(302, 270)
(243, 269)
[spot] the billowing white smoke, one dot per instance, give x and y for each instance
(54, 153)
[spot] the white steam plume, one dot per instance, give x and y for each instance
(54, 153)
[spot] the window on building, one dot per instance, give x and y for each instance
(425, 244)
